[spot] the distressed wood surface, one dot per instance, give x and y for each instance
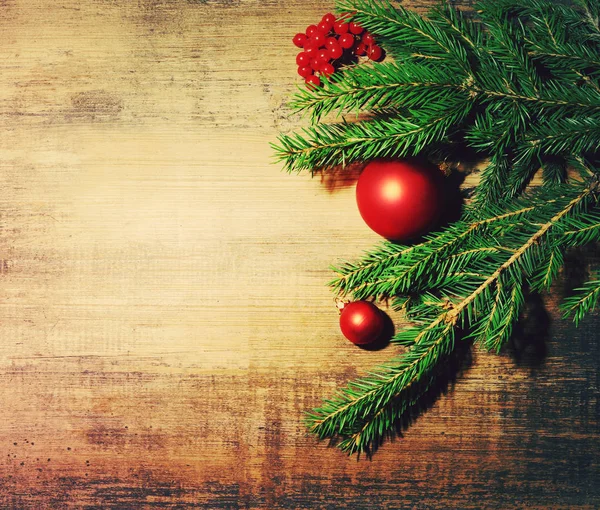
(163, 309)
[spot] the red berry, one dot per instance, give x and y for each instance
(315, 63)
(318, 39)
(324, 27)
(302, 59)
(331, 41)
(329, 18)
(312, 81)
(368, 38)
(346, 41)
(361, 49)
(355, 28)
(375, 52)
(335, 50)
(323, 56)
(299, 40)
(305, 71)
(327, 69)
(310, 49)
(310, 30)
(339, 27)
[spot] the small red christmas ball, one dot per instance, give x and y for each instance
(400, 199)
(361, 322)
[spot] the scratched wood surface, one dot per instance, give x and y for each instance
(164, 319)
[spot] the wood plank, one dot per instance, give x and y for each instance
(164, 313)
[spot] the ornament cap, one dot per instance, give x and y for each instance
(340, 304)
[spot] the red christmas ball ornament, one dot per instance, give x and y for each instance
(361, 322)
(400, 199)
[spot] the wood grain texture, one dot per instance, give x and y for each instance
(163, 309)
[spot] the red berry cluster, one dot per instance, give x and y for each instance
(331, 43)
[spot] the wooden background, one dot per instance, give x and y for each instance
(164, 319)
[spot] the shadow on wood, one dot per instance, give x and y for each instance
(423, 395)
(340, 177)
(528, 343)
(384, 339)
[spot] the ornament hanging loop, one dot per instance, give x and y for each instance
(340, 304)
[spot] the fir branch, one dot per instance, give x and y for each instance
(548, 270)
(323, 146)
(492, 179)
(520, 255)
(522, 171)
(373, 431)
(496, 340)
(364, 397)
(485, 329)
(548, 26)
(576, 58)
(564, 136)
(404, 32)
(505, 43)
(496, 325)
(454, 23)
(552, 96)
(583, 301)
(384, 85)
(522, 89)
(591, 9)
(580, 164)
(420, 103)
(581, 231)
(554, 171)
(368, 277)
(359, 407)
